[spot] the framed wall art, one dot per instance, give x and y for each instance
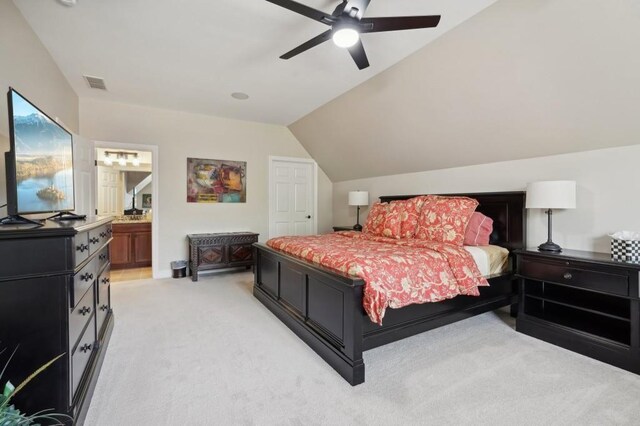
(216, 181)
(146, 201)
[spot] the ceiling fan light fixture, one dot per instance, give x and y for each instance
(345, 37)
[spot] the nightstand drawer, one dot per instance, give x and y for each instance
(573, 275)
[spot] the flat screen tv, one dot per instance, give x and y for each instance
(40, 163)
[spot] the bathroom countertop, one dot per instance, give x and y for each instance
(122, 221)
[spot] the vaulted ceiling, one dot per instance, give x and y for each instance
(522, 79)
(191, 55)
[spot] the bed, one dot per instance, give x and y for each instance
(325, 307)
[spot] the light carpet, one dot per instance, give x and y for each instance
(208, 353)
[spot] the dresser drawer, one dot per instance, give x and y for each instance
(81, 247)
(575, 275)
(79, 317)
(83, 280)
(103, 301)
(103, 257)
(81, 356)
(98, 237)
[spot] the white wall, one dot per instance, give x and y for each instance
(608, 192)
(179, 135)
(26, 66)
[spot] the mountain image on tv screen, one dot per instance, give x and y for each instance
(44, 160)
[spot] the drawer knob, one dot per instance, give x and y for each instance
(104, 307)
(86, 277)
(86, 347)
(103, 234)
(85, 310)
(82, 247)
(567, 276)
(109, 231)
(105, 280)
(94, 240)
(102, 256)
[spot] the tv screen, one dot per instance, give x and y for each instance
(42, 152)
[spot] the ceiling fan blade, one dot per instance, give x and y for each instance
(308, 45)
(395, 23)
(359, 55)
(340, 8)
(304, 10)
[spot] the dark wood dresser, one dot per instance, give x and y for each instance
(220, 250)
(582, 301)
(55, 299)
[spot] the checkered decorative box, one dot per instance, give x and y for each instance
(625, 250)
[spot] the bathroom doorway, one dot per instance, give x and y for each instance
(125, 190)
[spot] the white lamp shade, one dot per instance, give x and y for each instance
(552, 194)
(358, 198)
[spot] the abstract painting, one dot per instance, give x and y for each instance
(216, 181)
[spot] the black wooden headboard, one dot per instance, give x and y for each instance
(505, 208)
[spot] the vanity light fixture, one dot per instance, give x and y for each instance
(121, 157)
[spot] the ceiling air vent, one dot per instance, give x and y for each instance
(95, 82)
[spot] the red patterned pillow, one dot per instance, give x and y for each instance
(393, 221)
(410, 212)
(478, 230)
(376, 220)
(445, 219)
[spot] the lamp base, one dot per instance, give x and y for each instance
(550, 246)
(357, 227)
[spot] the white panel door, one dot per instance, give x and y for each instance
(83, 175)
(110, 192)
(293, 197)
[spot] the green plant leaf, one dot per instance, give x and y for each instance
(33, 375)
(8, 389)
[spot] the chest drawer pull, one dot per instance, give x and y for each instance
(86, 347)
(103, 256)
(85, 310)
(103, 234)
(104, 307)
(105, 280)
(86, 277)
(82, 247)
(567, 276)
(94, 240)
(109, 231)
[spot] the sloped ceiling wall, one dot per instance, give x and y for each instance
(522, 79)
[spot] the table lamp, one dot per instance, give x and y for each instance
(358, 198)
(556, 194)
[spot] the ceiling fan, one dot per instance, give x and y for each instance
(347, 23)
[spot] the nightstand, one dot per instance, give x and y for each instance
(343, 228)
(583, 301)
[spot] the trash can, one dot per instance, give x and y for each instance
(179, 268)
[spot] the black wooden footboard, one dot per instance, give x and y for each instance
(323, 308)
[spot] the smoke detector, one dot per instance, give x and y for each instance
(68, 3)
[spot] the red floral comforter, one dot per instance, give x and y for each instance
(396, 272)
